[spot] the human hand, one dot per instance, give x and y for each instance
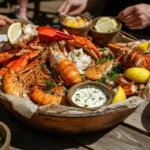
(73, 7)
(5, 20)
(136, 17)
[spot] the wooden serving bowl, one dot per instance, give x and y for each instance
(98, 85)
(6, 136)
(72, 124)
(80, 31)
(102, 39)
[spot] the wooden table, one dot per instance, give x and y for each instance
(132, 134)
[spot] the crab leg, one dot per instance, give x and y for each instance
(11, 53)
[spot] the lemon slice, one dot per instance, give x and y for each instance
(142, 47)
(105, 25)
(108, 26)
(14, 32)
(103, 20)
(119, 95)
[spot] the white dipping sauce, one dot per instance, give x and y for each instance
(89, 97)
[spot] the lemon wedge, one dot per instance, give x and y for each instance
(14, 32)
(138, 74)
(119, 95)
(142, 46)
(115, 23)
(105, 25)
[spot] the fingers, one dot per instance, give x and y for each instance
(62, 7)
(137, 26)
(2, 23)
(126, 13)
(77, 11)
(66, 9)
(6, 19)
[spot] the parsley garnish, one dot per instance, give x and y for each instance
(102, 49)
(49, 84)
(78, 54)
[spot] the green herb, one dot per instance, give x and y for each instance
(114, 73)
(78, 54)
(96, 61)
(83, 77)
(100, 98)
(44, 66)
(102, 49)
(77, 95)
(104, 59)
(50, 85)
(102, 80)
(85, 105)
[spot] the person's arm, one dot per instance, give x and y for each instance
(74, 7)
(136, 17)
(5, 20)
(23, 7)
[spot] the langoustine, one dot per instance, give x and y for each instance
(64, 66)
(130, 57)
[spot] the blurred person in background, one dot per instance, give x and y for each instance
(5, 20)
(130, 12)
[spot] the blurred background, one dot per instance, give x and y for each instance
(40, 12)
(44, 12)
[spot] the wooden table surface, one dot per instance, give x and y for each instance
(132, 134)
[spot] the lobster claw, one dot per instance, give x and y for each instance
(52, 34)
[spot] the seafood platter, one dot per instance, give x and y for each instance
(65, 83)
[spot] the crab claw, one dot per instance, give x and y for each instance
(86, 45)
(52, 34)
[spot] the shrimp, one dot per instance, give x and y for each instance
(42, 98)
(95, 73)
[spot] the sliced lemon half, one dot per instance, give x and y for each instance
(103, 20)
(105, 25)
(14, 32)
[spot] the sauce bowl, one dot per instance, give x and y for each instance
(90, 100)
(80, 31)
